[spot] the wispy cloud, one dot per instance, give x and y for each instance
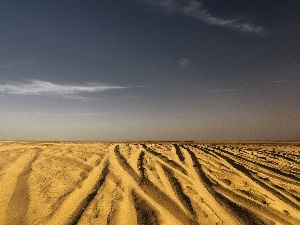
(96, 114)
(194, 9)
(16, 63)
(225, 90)
(183, 63)
(281, 81)
(38, 87)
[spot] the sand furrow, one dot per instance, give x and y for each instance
(153, 192)
(261, 185)
(256, 207)
(276, 192)
(177, 189)
(244, 216)
(278, 198)
(140, 164)
(85, 202)
(15, 175)
(177, 172)
(18, 204)
(72, 208)
(260, 168)
(123, 162)
(73, 162)
(204, 187)
(171, 163)
(90, 183)
(178, 152)
(167, 186)
(267, 167)
(146, 214)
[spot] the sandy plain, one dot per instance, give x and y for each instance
(149, 183)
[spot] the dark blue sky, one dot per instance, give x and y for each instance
(150, 69)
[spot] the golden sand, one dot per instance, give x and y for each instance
(149, 183)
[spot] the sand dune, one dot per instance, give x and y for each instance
(149, 183)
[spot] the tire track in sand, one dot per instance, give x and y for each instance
(73, 207)
(267, 190)
(86, 202)
(178, 152)
(204, 188)
(152, 191)
(145, 213)
(171, 163)
(168, 177)
(18, 204)
(240, 205)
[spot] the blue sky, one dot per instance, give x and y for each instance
(149, 70)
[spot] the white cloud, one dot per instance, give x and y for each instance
(195, 10)
(37, 87)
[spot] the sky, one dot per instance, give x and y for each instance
(149, 70)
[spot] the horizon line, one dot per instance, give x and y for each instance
(159, 141)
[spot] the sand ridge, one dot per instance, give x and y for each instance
(149, 183)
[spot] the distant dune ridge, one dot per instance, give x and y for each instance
(149, 183)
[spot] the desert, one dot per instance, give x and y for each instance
(149, 112)
(149, 183)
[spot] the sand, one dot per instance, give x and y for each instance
(149, 183)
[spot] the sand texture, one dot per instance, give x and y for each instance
(149, 183)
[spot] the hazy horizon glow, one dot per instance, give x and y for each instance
(149, 70)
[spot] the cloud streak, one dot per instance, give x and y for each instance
(194, 9)
(44, 88)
